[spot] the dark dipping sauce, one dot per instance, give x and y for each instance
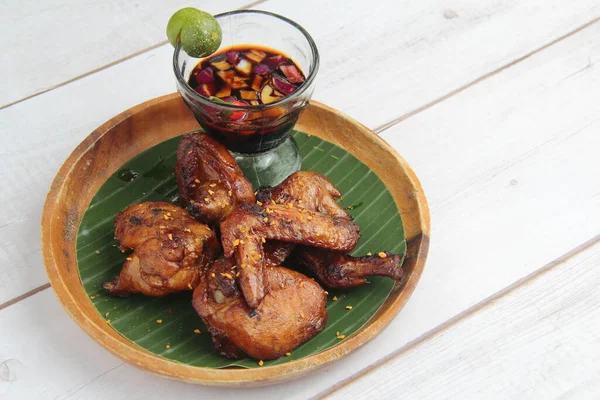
(246, 76)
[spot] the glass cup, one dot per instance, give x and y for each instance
(257, 136)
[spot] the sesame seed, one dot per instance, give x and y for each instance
(288, 354)
(243, 265)
(334, 298)
(237, 274)
(97, 252)
(170, 235)
(162, 227)
(190, 152)
(92, 297)
(159, 321)
(382, 254)
(129, 259)
(168, 346)
(301, 315)
(107, 314)
(348, 307)
(309, 218)
(301, 284)
(340, 337)
(197, 240)
(197, 180)
(273, 202)
(281, 201)
(193, 185)
(210, 192)
(272, 223)
(223, 205)
(213, 275)
(337, 333)
(166, 217)
(260, 363)
(263, 240)
(108, 321)
(206, 199)
(241, 241)
(197, 330)
(229, 193)
(236, 242)
(265, 219)
(259, 203)
(212, 185)
(369, 254)
(226, 275)
(169, 214)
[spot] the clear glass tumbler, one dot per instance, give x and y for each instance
(258, 136)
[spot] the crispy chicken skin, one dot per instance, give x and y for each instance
(277, 252)
(313, 191)
(290, 314)
(249, 226)
(170, 250)
(306, 189)
(338, 270)
(210, 182)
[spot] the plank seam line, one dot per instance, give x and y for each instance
(454, 92)
(440, 329)
(110, 64)
(24, 296)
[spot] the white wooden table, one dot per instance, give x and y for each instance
(496, 105)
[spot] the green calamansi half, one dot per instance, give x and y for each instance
(198, 31)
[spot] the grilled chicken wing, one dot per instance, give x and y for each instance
(338, 270)
(210, 182)
(170, 250)
(290, 314)
(315, 192)
(249, 226)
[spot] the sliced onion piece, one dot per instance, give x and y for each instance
(232, 57)
(275, 61)
(282, 85)
(291, 73)
(205, 76)
(261, 69)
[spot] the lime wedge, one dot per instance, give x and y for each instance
(198, 31)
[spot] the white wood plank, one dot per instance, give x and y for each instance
(539, 341)
(511, 174)
(66, 115)
(50, 42)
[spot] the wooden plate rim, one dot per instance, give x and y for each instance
(97, 328)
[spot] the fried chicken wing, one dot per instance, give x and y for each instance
(210, 182)
(249, 226)
(338, 270)
(290, 314)
(315, 192)
(308, 190)
(170, 250)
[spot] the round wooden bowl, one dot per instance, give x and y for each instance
(152, 122)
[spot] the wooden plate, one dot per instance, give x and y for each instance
(141, 127)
